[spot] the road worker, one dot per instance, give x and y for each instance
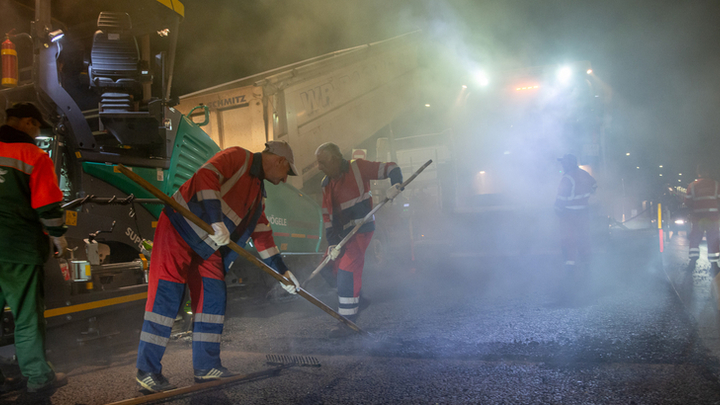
(346, 200)
(572, 207)
(227, 192)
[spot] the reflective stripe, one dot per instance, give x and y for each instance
(325, 211)
(381, 170)
(352, 202)
(267, 253)
(225, 187)
(570, 263)
(262, 228)
(694, 249)
(576, 207)
(52, 221)
(705, 210)
(213, 169)
(209, 318)
(206, 337)
(327, 225)
(154, 339)
(348, 311)
(348, 300)
(16, 164)
(159, 319)
(710, 197)
(358, 176)
(207, 195)
(230, 214)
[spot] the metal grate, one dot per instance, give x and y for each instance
(288, 360)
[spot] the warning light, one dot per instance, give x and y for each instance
(527, 88)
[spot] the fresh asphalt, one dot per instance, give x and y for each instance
(473, 327)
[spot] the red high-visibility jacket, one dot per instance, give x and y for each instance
(29, 199)
(702, 197)
(347, 199)
(228, 188)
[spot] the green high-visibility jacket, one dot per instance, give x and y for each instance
(29, 199)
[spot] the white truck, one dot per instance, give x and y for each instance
(344, 97)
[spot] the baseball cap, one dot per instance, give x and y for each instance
(282, 148)
(24, 110)
(568, 158)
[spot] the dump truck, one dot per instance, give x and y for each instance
(102, 74)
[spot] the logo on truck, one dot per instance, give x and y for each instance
(277, 220)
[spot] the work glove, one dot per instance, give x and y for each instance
(291, 289)
(393, 191)
(60, 245)
(222, 235)
(334, 252)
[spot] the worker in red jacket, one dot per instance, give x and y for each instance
(572, 207)
(346, 200)
(702, 199)
(227, 192)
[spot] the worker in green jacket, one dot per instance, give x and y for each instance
(29, 211)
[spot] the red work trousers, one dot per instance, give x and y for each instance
(575, 236)
(349, 268)
(173, 264)
(705, 225)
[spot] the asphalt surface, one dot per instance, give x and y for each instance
(480, 328)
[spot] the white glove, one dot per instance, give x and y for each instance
(334, 252)
(393, 191)
(60, 244)
(291, 289)
(222, 235)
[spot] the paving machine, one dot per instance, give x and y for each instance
(102, 73)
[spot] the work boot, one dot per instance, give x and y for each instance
(215, 373)
(59, 380)
(152, 382)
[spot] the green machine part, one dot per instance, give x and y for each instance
(296, 219)
(193, 147)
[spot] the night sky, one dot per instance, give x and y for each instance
(660, 57)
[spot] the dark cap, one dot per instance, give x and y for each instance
(282, 148)
(569, 159)
(24, 110)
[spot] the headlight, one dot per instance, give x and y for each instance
(679, 222)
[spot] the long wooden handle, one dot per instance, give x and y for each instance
(234, 246)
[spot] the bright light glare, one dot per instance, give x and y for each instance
(679, 221)
(679, 174)
(482, 172)
(637, 167)
(660, 174)
(481, 78)
(627, 154)
(589, 71)
(660, 166)
(464, 86)
(564, 74)
(427, 105)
